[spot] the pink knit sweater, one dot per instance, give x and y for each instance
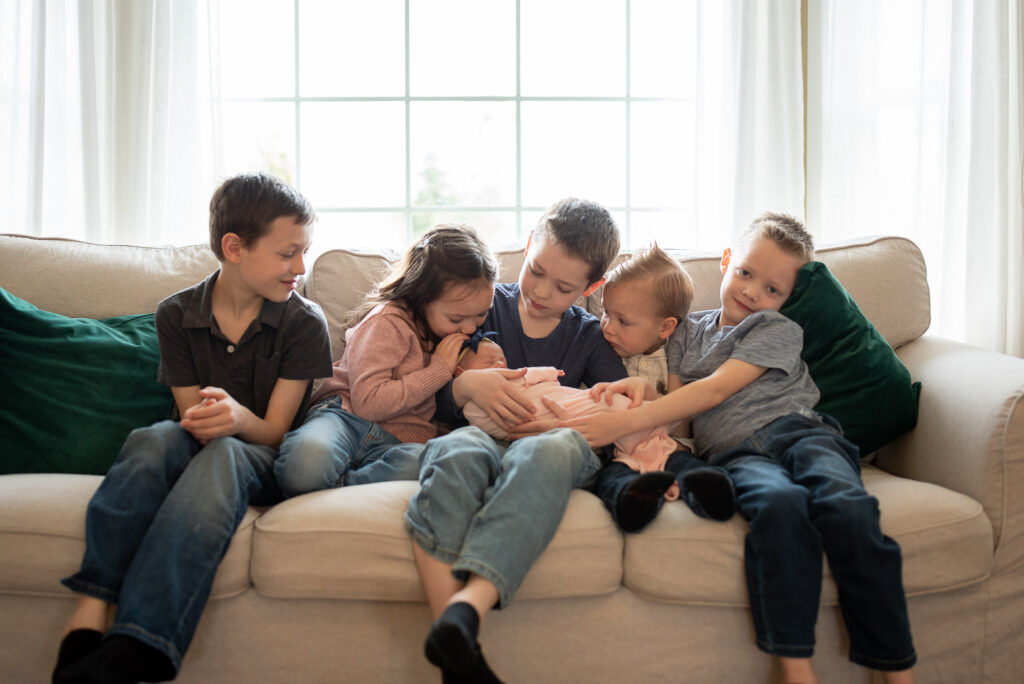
(386, 377)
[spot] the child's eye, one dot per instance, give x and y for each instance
(564, 291)
(743, 272)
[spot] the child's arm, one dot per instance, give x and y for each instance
(689, 400)
(375, 350)
(219, 415)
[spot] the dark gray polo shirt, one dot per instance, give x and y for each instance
(287, 340)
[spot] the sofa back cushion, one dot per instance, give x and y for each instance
(89, 280)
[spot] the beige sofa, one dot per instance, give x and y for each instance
(323, 587)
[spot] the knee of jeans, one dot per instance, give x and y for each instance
(848, 514)
(778, 508)
(560, 451)
(307, 466)
(151, 446)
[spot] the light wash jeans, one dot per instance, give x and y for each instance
(333, 448)
(159, 525)
(489, 507)
(798, 485)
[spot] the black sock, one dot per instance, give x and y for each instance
(126, 660)
(641, 499)
(481, 674)
(451, 643)
(713, 492)
(74, 647)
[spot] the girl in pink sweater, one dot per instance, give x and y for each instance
(369, 421)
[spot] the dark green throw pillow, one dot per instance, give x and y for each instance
(73, 388)
(863, 383)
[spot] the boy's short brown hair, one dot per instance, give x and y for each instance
(248, 203)
(585, 229)
(784, 230)
(671, 286)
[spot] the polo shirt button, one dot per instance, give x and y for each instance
(231, 349)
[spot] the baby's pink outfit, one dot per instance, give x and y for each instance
(643, 451)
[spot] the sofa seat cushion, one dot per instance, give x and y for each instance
(707, 557)
(42, 534)
(351, 543)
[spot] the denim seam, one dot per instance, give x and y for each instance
(90, 589)
(883, 663)
(787, 650)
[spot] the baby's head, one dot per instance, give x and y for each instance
(478, 352)
(761, 267)
(644, 300)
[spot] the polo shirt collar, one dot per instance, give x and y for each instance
(199, 313)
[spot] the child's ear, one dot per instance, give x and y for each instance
(592, 288)
(726, 255)
(231, 246)
(668, 326)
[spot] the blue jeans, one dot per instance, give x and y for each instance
(159, 525)
(333, 448)
(798, 485)
(490, 508)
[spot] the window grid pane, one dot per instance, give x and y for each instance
(473, 149)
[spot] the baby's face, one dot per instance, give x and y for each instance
(630, 323)
(487, 355)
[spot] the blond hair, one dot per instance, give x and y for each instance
(785, 231)
(670, 284)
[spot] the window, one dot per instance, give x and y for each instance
(394, 115)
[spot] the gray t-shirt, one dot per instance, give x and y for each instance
(288, 339)
(766, 338)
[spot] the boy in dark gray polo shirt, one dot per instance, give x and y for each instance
(239, 351)
(797, 478)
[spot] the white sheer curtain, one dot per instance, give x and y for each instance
(749, 115)
(914, 128)
(105, 120)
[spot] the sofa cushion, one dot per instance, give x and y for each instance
(351, 543)
(863, 383)
(82, 386)
(76, 278)
(924, 519)
(42, 534)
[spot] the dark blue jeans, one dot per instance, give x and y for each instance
(159, 525)
(798, 485)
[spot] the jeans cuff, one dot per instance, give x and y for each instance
(96, 591)
(429, 544)
(489, 573)
(885, 664)
(786, 650)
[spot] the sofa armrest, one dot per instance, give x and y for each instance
(969, 435)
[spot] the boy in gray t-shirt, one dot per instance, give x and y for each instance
(797, 479)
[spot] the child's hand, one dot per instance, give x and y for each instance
(217, 415)
(600, 429)
(489, 389)
(634, 387)
(536, 427)
(448, 349)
